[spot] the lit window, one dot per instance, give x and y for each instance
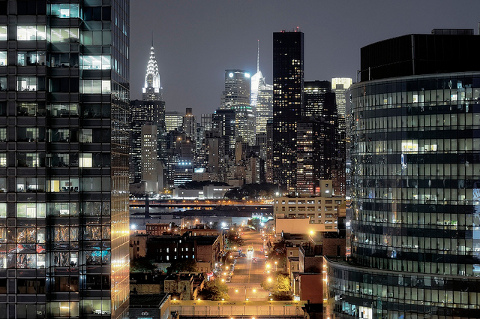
(3, 33)
(64, 35)
(95, 62)
(409, 146)
(64, 10)
(3, 58)
(26, 83)
(25, 58)
(3, 159)
(85, 160)
(27, 33)
(31, 210)
(95, 87)
(3, 210)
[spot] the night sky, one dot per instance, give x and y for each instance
(196, 40)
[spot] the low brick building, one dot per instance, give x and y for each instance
(184, 286)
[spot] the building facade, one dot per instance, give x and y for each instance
(64, 220)
(288, 81)
(415, 180)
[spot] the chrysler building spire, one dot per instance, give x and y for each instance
(152, 91)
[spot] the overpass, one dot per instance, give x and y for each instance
(237, 309)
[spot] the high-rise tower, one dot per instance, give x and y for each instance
(152, 90)
(287, 105)
(340, 87)
(261, 98)
(415, 182)
(64, 209)
(148, 111)
(316, 137)
(237, 89)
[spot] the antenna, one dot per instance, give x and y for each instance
(258, 56)
(152, 39)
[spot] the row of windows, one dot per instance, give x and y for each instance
(61, 233)
(57, 110)
(32, 83)
(61, 209)
(82, 160)
(37, 260)
(58, 35)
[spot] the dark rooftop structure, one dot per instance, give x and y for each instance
(442, 51)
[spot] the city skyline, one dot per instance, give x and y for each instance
(196, 42)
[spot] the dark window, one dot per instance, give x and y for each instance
(31, 7)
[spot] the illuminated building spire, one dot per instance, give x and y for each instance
(152, 91)
(258, 56)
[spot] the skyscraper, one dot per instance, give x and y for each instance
(287, 105)
(340, 87)
(415, 182)
(64, 219)
(237, 89)
(261, 98)
(317, 152)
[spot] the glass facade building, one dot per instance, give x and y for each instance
(64, 223)
(415, 244)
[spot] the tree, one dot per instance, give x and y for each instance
(233, 239)
(182, 266)
(214, 290)
(279, 287)
(142, 264)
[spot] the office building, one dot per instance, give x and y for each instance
(288, 75)
(244, 123)
(173, 120)
(237, 89)
(415, 182)
(307, 215)
(64, 162)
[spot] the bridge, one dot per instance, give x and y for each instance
(237, 309)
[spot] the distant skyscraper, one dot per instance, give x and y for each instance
(261, 98)
(263, 108)
(173, 120)
(189, 125)
(64, 204)
(317, 134)
(340, 87)
(288, 77)
(152, 90)
(237, 89)
(415, 242)
(244, 124)
(149, 111)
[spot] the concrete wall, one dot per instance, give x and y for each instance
(233, 309)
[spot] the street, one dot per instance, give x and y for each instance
(249, 274)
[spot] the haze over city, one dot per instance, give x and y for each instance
(195, 41)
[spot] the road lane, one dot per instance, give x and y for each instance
(249, 272)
